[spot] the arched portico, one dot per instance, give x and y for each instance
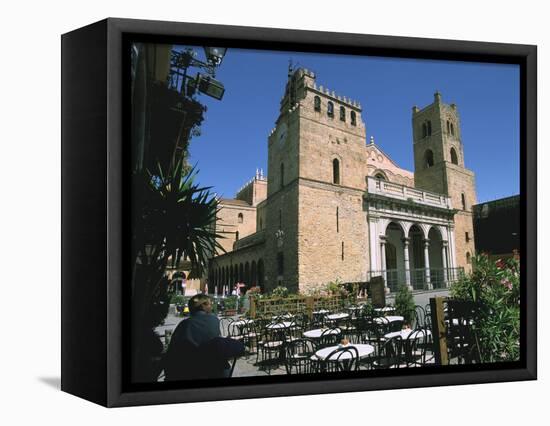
(413, 254)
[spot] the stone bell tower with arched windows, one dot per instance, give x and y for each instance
(316, 182)
(439, 167)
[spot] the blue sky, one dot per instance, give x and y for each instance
(233, 142)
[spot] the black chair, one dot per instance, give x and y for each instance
(341, 359)
(416, 346)
(330, 337)
(390, 354)
(270, 347)
(298, 356)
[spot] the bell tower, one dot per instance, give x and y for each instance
(439, 167)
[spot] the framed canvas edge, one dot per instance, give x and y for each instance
(392, 46)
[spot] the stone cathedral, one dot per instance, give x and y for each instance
(334, 206)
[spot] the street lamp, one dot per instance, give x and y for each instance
(214, 55)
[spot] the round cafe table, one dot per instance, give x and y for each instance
(316, 334)
(321, 312)
(339, 316)
(389, 318)
(385, 309)
(279, 325)
(241, 322)
(408, 333)
(362, 349)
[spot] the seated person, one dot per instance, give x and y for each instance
(197, 350)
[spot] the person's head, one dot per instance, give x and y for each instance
(200, 302)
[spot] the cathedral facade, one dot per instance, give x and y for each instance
(335, 207)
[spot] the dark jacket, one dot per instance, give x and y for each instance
(197, 351)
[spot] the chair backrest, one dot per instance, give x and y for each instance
(343, 359)
(298, 356)
(419, 317)
(330, 337)
(390, 353)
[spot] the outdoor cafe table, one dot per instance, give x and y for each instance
(385, 309)
(362, 349)
(406, 334)
(241, 322)
(339, 316)
(389, 318)
(278, 325)
(321, 311)
(316, 334)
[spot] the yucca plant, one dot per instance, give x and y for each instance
(173, 219)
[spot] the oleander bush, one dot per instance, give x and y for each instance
(495, 287)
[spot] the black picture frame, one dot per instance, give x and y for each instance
(94, 358)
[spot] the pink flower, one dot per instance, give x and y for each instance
(506, 283)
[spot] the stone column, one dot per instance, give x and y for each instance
(427, 263)
(444, 247)
(383, 261)
(406, 242)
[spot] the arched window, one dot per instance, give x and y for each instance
(454, 157)
(240, 218)
(353, 118)
(428, 158)
(317, 103)
(429, 125)
(379, 176)
(463, 199)
(330, 109)
(342, 114)
(424, 130)
(282, 176)
(336, 171)
(452, 129)
(448, 126)
(468, 258)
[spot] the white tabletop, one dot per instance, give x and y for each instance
(321, 311)
(405, 333)
(337, 316)
(363, 350)
(389, 318)
(284, 324)
(241, 322)
(316, 334)
(385, 309)
(284, 316)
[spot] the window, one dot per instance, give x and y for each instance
(330, 109)
(353, 118)
(467, 236)
(463, 199)
(468, 258)
(429, 128)
(342, 114)
(282, 176)
(317, 103)
(454, 157)
(240, 218)
(379, 176)
(428, 158)
(280, 264)
(424, 130)
(237, 236)
(342, 250)
(452, 129)
(448, 126)
(336, 171)
(337, 221)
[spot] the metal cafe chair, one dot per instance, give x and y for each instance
(330, 337)
(271, 347)
(299, 356)
(390, 354)
(341, 359)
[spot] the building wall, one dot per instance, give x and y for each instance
(228, 223)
